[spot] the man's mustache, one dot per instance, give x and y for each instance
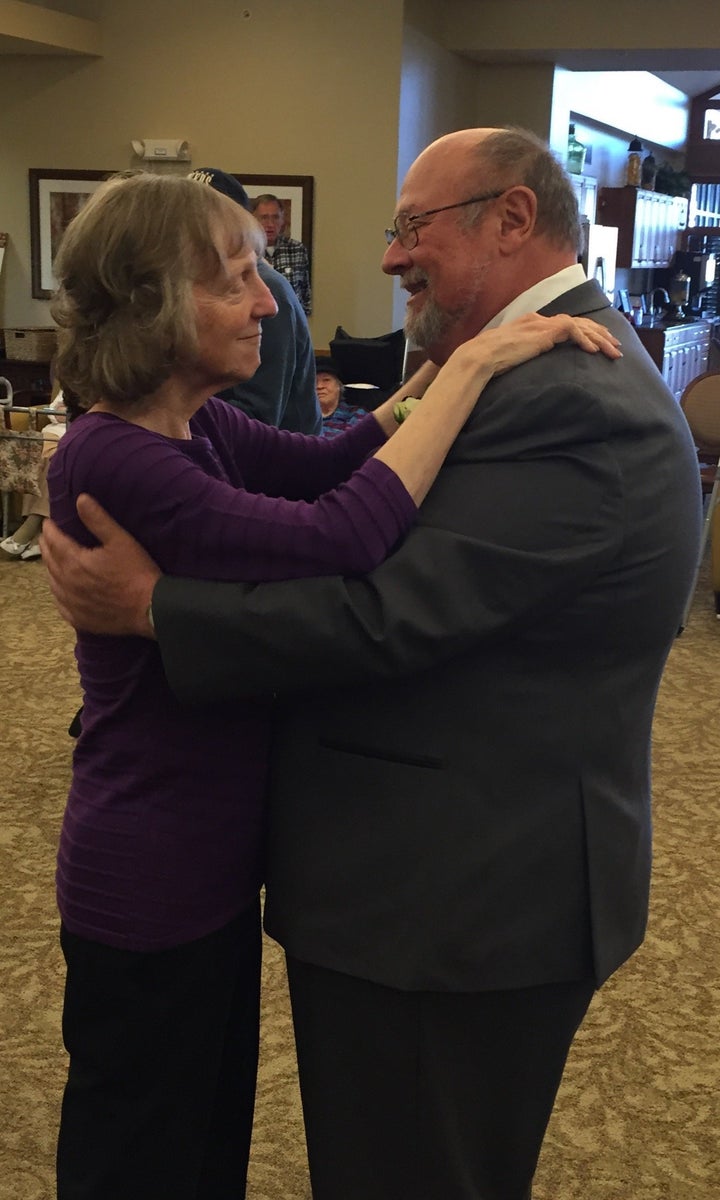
(413, 277)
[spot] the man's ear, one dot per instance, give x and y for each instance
(517, 217)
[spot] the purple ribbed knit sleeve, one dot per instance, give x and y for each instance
(280, 463)
(187, 502)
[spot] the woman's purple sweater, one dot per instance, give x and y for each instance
(162, 836)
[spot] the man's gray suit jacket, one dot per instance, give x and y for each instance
(460, 793)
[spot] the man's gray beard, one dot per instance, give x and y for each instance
(427, 326)
(432, 324)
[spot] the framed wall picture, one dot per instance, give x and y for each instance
(296, 194)
(55, 198)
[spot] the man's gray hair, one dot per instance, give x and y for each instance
(269, 198)
(517, 156)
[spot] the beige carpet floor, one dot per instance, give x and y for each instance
(638, 1116)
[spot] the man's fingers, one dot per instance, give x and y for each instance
(64, 612)
(52, 546)
(97, 520)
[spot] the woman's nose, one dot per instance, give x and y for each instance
(266, 306)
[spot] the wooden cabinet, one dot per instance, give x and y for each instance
(30, 380)
(649, 224)
(680, 352)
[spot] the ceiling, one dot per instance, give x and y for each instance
(691, 71)
(692, 83)
(15, 45)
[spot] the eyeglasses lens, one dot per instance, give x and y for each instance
(405, 233)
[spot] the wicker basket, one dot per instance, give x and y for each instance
(32, 344)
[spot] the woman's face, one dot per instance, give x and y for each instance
(328, 390)
(229, 312)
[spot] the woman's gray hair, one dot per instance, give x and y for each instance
(126, 268)
(516, 156)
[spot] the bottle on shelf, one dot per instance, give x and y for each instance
(633, 169)
(648, 173)
(575, 153)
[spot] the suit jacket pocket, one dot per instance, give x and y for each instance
(403, 758)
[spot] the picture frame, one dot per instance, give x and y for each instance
(297, 195)
(55, 198)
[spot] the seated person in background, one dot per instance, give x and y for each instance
(282, 390)
(287, 255)
(23, 543)
(337, 414)
(161, 851)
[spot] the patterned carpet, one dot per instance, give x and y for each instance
(638, 1117)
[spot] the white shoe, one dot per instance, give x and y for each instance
(33, 551)
(13, 548)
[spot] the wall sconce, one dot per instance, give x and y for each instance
(169, 149)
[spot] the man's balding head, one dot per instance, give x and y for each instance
(483, 214)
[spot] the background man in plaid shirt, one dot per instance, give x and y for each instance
(287, 255)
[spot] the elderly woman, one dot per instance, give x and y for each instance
(160, 861)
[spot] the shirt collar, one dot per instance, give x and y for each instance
(540, 294)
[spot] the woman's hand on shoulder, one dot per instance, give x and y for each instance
(528, 336)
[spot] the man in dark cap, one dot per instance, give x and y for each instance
(282, 390)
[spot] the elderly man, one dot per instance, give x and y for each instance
(287, 255)
(460, 808)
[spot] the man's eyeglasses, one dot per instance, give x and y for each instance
(405, 227)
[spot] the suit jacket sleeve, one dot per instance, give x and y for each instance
(523, 515)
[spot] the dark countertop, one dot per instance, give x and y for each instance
(664, 323)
